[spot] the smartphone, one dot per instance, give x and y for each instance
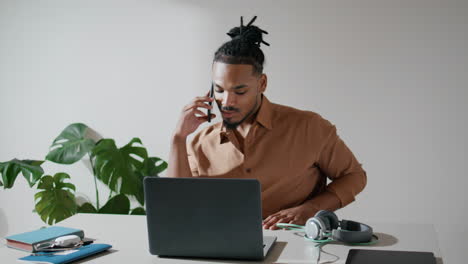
(211, 95)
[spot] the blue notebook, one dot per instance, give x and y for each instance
(68, 256)
(26, 241)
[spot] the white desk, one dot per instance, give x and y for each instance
(127, 234)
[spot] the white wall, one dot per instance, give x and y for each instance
(391, 75)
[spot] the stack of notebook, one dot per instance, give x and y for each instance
(28, 241)
(31, 242)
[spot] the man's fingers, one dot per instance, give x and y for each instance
(202, 99)
(270, 222)
(274, 227)
(205, 118)
(198, 101)
(266, 226)
(199, 112)
(276, 218)
(294, 221)
(196, 105)
(279, 220)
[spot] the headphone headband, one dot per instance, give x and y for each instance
(326, 225)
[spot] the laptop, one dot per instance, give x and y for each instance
(205, 218)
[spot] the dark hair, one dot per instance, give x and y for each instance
(244, 47)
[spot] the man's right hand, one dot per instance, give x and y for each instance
(189, 121)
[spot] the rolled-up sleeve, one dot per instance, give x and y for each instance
(339, 164)
(192, 159)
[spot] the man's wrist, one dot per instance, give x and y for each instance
(178, 138)
(311, 208)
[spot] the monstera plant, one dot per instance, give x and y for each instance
(121, 169)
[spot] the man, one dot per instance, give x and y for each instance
(291, 152)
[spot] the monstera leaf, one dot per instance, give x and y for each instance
(31, 170)
(87, 208)
(118, 204)
(152, 166)
(71, 145)
(138, 211)
(120, 169)
(56, 202)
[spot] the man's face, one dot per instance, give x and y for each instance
(237, 91)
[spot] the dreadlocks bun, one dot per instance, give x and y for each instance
(251, 34)
(244, 47)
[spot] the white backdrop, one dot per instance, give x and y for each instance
(390, 75)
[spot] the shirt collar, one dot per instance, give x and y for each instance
(265, 114)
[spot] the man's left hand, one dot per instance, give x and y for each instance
(297, 215)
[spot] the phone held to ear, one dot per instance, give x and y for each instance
(211, 95)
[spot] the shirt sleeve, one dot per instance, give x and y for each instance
(339, 164)
(192, 159)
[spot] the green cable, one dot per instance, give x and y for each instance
(289, 225)
(302, 228)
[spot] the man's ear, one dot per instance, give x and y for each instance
(263, 82)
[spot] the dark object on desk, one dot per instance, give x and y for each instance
(366, 256)
(205, 218)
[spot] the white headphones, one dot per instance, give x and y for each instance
(326, 225)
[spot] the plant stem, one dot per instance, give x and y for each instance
(95, 182)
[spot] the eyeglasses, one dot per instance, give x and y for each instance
(55, 247)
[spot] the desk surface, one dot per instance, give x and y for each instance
(128, 237)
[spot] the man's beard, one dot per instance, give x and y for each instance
(234, 125)
(230, 125)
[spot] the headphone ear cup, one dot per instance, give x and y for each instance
(312, 229)
(330, 218)
(353, 232)
(323, 227)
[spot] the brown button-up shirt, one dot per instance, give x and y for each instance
(291, 152)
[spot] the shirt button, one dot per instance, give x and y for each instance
(248, 170)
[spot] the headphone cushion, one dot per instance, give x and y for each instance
(330, 218)
(313, 229)
(323, 227)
